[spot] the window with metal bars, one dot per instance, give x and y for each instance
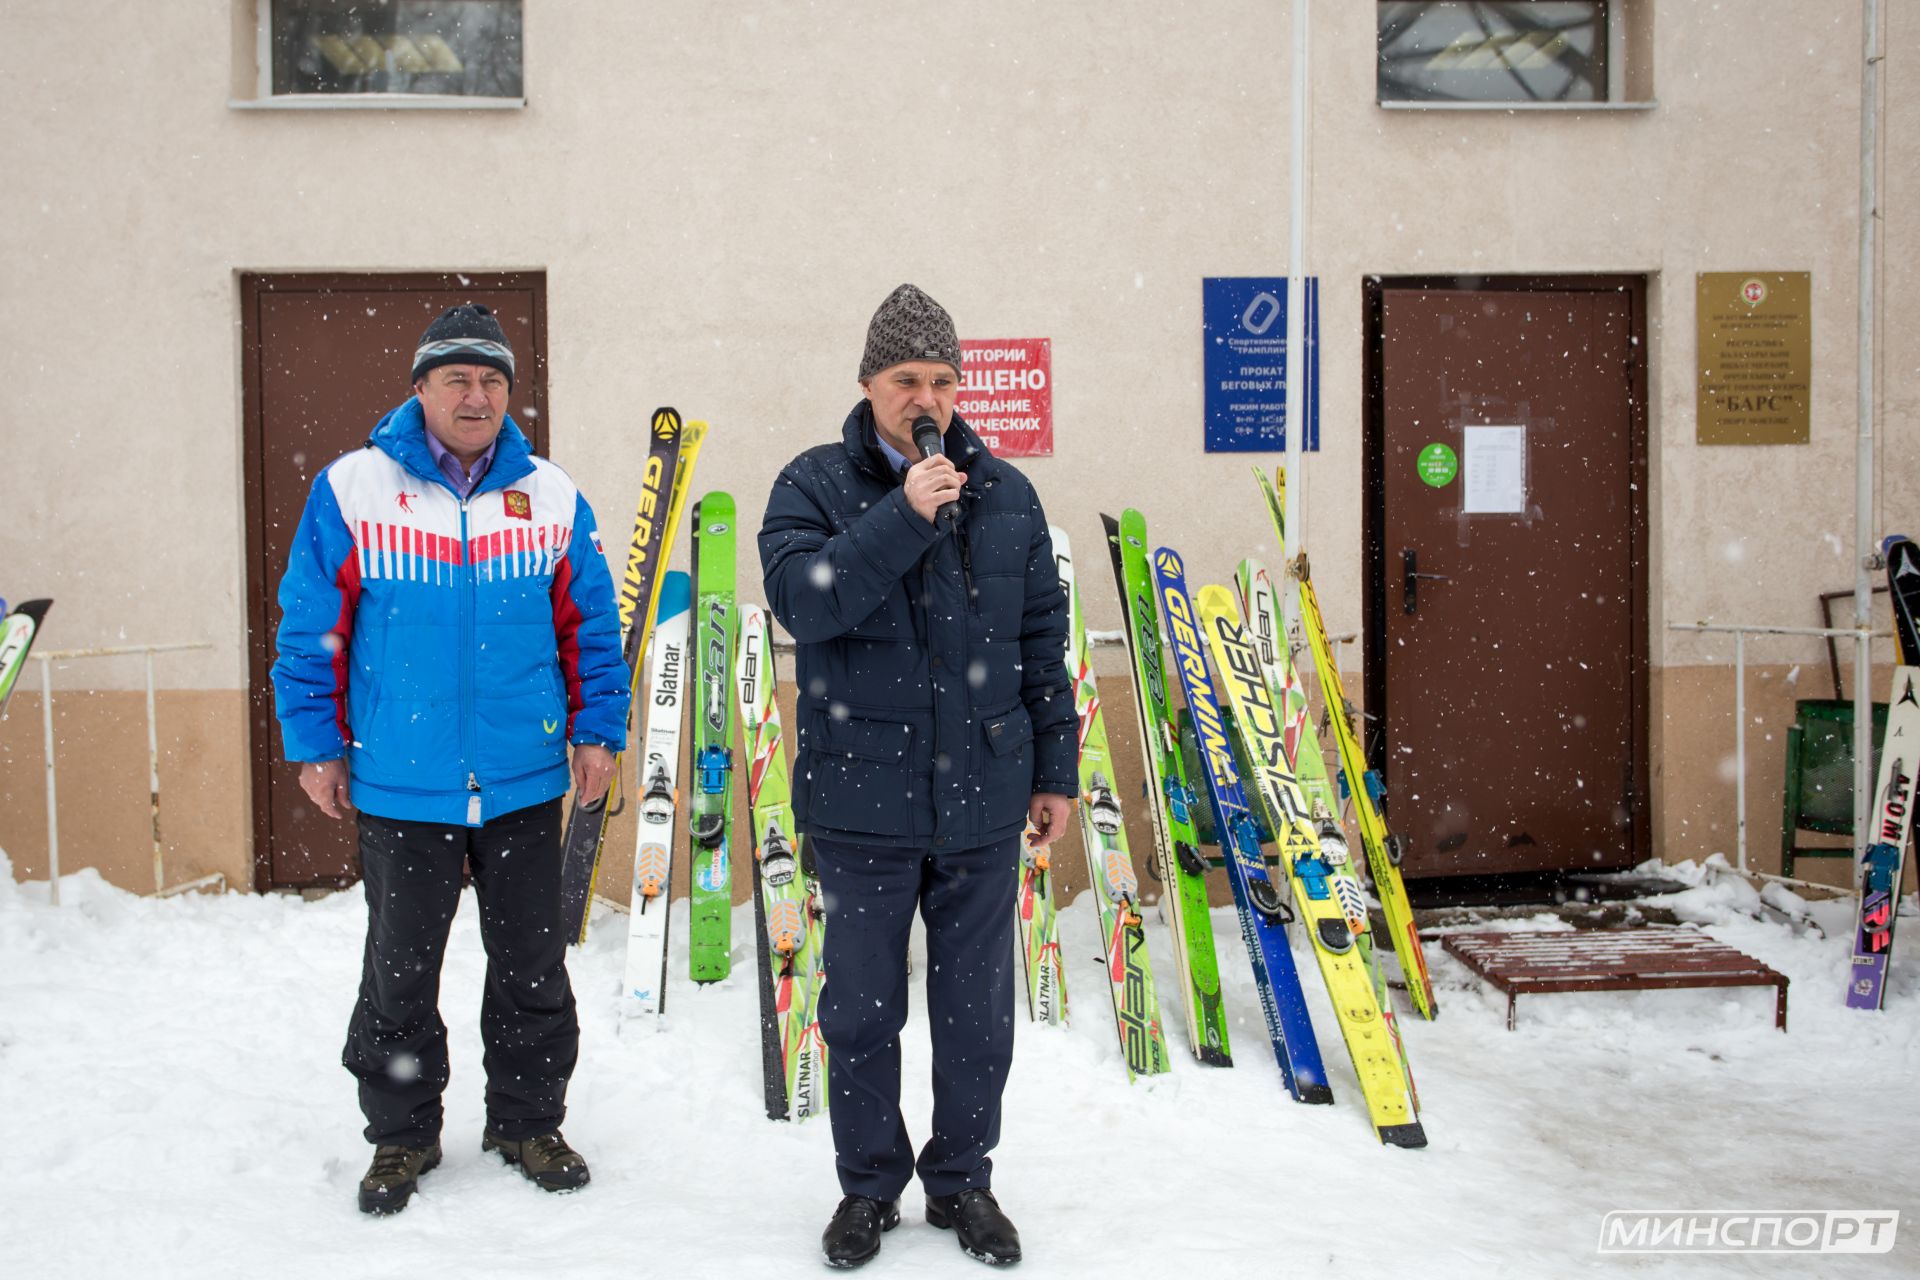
(445, 48)
(1518, 51)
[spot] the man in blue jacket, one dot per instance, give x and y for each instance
(449, 627)
(935, 720)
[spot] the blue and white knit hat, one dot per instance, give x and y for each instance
(467, 334)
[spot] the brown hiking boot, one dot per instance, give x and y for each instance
(394, 1176)
(545, 1159)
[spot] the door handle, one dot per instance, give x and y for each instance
(1410, 596)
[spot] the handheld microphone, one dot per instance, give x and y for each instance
(926, 435)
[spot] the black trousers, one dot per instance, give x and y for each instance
(967, 900)
(396, 1042)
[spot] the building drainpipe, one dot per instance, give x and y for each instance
(1295, 512)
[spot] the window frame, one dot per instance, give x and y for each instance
(1618, 52)
(265, 99)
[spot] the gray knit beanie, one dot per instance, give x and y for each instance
(909, 326)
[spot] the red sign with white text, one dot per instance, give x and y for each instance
(1006, 394)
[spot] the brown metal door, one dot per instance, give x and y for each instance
(325, 356)
(1507, 604)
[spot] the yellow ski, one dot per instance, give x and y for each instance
(1383, 859)
(1316, 864)
(1260, 607)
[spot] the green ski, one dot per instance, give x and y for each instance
(17, 630)
(1266, 626)
(793, 1056)
(1176, 846)
(709, 930)
(1038, 927)
(1123, 938)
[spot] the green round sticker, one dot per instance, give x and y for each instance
(1438, 464)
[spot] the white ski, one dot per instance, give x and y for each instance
(659, 798)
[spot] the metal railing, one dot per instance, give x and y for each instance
(46, 661)
(1740, 634)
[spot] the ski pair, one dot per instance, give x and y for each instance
(1313, 854)
(1177, 860)
(673, 448)
(1890, 826)
(714, 628)
(697, 668)
(1103, 837)
(1363, 786)
(1261, 909)
(787, 902)
(1300, 746)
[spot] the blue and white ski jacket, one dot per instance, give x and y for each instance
(448, 649)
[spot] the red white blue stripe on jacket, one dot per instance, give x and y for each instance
(448, 649)
(403, 551)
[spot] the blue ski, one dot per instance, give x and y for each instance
(1261, 907)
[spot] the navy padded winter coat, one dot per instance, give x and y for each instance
(933, 697)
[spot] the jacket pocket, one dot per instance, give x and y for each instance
(1007, 768)
(1009, 731)
(856, 775)
(557, 708)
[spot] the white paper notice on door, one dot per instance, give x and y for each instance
(1496, 471)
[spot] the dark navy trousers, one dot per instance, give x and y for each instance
(967, 901)
(396, 1042)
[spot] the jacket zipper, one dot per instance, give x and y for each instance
(467, 599)
(964, 538)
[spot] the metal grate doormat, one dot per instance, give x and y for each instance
(1651, 959)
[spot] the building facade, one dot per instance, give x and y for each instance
(230, 218)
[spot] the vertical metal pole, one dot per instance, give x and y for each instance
(53, 808)
(1863, 451)
(153, 783)
(1740, 742)
(1863, 440)
(1295, 512)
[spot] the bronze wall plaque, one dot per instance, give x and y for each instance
(1755, 356)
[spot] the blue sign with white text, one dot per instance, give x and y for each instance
(1244, 320)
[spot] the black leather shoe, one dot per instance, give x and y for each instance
(983, 1230)
(853, 1237)
(394, 1176)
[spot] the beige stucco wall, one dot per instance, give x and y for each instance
(719, 195)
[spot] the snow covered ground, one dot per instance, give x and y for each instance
(174, 1106)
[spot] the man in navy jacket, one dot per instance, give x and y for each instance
(935, 720)
(449, 627)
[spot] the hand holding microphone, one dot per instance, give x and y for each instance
(933, 483)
